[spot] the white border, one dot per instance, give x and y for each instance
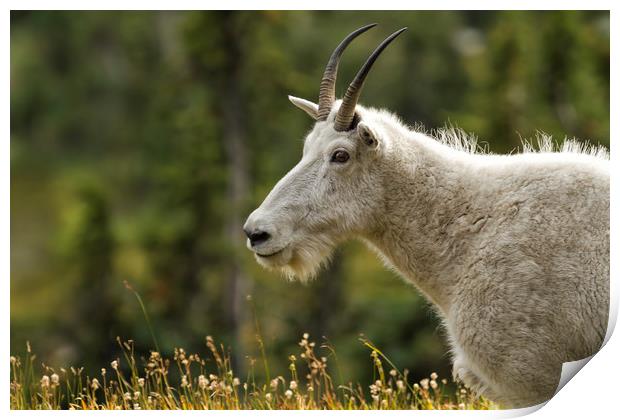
(314, 5)
(592, 393)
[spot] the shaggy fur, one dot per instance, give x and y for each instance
(512, 250)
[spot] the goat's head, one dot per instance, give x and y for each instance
(331, 193)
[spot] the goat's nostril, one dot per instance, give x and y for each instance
(258, 237)
(248, 232)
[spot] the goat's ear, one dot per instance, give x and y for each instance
(311, 108)
(367, 135)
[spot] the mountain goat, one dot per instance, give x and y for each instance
(512, 250)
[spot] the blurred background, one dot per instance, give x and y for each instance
(140, 142)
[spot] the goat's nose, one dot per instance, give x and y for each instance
(257, 236)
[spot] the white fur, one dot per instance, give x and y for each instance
(512, 250)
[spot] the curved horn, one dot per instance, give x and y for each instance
(327, 91)
(346, 113)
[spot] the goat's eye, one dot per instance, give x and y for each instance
(340, 156)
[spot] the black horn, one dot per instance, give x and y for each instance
(327, 91)
(346, 113)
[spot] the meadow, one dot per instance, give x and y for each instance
(191, 381)
(208, 381)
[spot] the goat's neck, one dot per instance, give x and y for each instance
(425, 195)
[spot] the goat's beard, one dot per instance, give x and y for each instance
(308, 257)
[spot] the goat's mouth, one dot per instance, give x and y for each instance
(275, 259)
(273, 254)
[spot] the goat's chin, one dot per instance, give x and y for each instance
(303, 260)
(278, 260)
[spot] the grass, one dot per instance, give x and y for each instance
(209, 382)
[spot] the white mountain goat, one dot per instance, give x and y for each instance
(512, 250)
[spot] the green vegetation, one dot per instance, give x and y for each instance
(140, 142)
(210, 382)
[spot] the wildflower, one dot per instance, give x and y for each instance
(13, 360)
(461, 406)
(384, 404)
(388, 391)
(236, 382)
(416, 387)
(274, 383)
(141, 382)
(268, 396)
(400, 385)
(136, 395)
(310, 389)
(212, 377)
(136, 406)
(434, 376)
(114, 364)
(94, 384)
(103, 371)
(288, 394)
(45, 381)
(393, 372)
(127, 396)
(444, 381)
(306, 336)
(293, 385)
(184, 381)
(433, 384)
(375, 398)
(424, 383)
(202, 382)
(55, 379)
